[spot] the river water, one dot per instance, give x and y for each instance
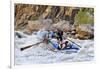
(40, 54)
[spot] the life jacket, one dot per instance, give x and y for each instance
(52, 34)
(54, 43)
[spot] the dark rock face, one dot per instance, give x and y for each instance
(19, 34)
(74, 12)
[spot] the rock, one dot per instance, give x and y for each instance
(22, 22)
(20, 34)
(37, 25)
(85, 31)
(63, 25)
(46, 21)
(25, 12)
(31, 18)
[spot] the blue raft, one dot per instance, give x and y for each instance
(71, 46)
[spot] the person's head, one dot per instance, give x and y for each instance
(66, 42)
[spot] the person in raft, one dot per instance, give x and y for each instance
(57, 39)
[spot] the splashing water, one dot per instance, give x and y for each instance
(40, 54)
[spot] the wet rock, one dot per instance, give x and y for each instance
(19, 34)
(85, 31)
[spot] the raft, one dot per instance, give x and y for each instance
(71, 46)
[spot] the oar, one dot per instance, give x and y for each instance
(74, 43)
(29, 46)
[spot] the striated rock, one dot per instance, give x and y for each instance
(20, 23)
(26, 12)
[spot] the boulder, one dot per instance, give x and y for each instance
(37, 25)
(63, 25)
(85, 31)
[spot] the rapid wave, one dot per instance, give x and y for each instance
(40, 54)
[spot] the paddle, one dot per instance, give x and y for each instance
(74, 43)
(23, 48)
